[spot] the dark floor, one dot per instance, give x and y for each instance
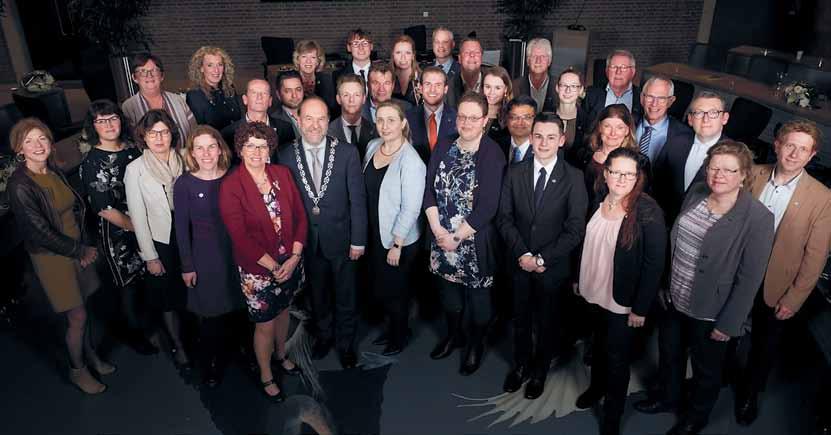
(410, 394)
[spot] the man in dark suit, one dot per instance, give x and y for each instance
(470, 76)
(681, 164)
(620, 70)
(257, 100)
(521, 112)
(542, 218)
(432, 120)
(350, 126)
(289, 88)
(538, 83)
(359, 45)
(380, 90)
(443, 44)
(328, 175)
(656, 133)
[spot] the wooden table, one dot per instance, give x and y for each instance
(808, 61)
(741, 87)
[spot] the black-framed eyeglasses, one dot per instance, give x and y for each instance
(712, 114)
(111, 120)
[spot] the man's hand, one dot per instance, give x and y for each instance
(355, 254)
(528, 263)
(719, 336)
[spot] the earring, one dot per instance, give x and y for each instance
(20, 158)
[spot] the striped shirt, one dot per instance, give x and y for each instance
(692, 227)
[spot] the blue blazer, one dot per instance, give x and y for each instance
(418, 129)
(402, 190)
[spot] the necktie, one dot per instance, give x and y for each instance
(353, 134)
(432, 131)
(539, 188)
(366, 85)
(643, 144)
(517, 155)
(316, 166)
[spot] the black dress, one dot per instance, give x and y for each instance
(102, 175)
(216, 110)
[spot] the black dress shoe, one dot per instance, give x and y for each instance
(534, 387)
(747, 410)
(654, 406)
(321, 348)
(211, 378)
(382, 339)
(348, 358)
(686, 427)
(588, 399)
(472, 358)
(515, 379)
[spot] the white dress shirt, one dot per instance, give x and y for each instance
(695, 159)
(523, 148)
(776, 198)
(549, 168)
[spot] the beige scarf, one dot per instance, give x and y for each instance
(165, 173)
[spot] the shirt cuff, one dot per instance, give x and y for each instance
(357, 248)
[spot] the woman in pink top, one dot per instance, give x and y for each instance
(621, 267)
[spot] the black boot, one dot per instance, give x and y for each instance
(453, 339)
(472, 357)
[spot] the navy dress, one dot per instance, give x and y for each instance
(205, 247)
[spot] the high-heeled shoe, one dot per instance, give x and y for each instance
(294, 371)
(84, 380)
(277, 398)
(180, 358)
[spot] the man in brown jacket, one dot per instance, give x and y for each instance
(802, 219)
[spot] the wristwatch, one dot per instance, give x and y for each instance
(396, 245)
(540, 261)
(456, 239)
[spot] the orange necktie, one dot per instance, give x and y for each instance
(432, 131)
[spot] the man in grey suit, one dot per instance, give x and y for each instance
(443, 44)
(328, 175)
(350, 126)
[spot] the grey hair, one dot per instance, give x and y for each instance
(659, 78)
(538, 42)
(442, 29)
(619, 52)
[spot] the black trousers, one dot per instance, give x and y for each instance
(391, 285)
(536, 319)
(679, 334)
(473, 303)
(611, 356)
(332, 296)
(765, 338)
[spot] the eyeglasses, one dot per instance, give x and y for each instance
(525, 118)
(629, 176)
(360, 43)
(111, 120)
(148, 72)
(722, 171)
(712, 114)
(654, 98)
(569, 88)
(619, 68)
(158, 133)
(251, 148)
(461, 119)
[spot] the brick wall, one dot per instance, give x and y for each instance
(655, 30)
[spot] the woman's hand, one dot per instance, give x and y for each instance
(286, 270)
(90, 254)
(393, 256)
(190, 279)
(155, 267)
(447, 242)
(636, 321)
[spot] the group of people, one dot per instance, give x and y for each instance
(503, 194)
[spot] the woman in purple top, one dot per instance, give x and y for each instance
(205, 247)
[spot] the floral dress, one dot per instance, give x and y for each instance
(454, 186)
(265, 297)
(102, 175)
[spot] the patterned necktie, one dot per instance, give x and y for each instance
(432, 131)
(539, 188)
(353, 134)
(316, 166)
(643, 144)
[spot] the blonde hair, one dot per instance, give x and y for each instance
(400, 110)
(801, 126)
(225, 153)
(307, 45)
(195, 69)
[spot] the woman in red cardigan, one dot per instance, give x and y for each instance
(262, 209)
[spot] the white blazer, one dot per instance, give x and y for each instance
(149, 209)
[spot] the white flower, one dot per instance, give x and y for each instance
(804, 102)
(798, 88)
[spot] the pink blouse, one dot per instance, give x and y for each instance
(598, 262)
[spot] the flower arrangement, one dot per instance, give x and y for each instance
(800, 94)
(7, 166)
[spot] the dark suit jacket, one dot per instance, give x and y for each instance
(638, 269)
(367, 134)
(595, 101)
(285, 133)
(671, 178)
(281, 114)
(325, 88)
(576, 152)
(342, 221)
(523, 87)
(456, 88)
(552, 231)
(366, 112)
(418, 129)
(505, 144)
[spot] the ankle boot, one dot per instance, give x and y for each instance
(453, 339)
(84, 380)
(474, 351)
